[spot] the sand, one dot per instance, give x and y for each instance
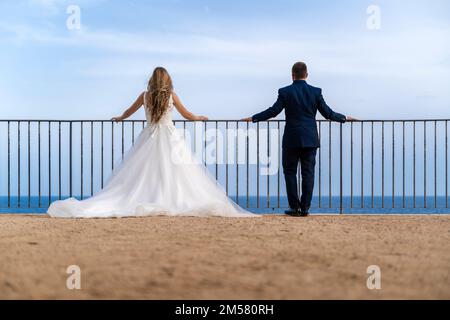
(273, 257)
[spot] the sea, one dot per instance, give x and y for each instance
(275, 204)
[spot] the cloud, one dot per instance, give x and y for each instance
(393, 54)
(46, 3)
(51, 7)
(392, 57)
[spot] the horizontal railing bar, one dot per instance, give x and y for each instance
(218, 120)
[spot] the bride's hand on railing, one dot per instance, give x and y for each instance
(116, 119)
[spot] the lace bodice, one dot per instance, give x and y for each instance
(166, 118)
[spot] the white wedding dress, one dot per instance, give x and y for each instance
(158, 176)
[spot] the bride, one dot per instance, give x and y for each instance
(159, 175)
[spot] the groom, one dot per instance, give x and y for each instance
(300, 140)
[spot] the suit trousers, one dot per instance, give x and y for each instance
(307, 159)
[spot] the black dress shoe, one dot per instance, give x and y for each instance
(293, 212)
(304, 213)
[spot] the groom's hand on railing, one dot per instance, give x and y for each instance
(349, 118)
(202, 118)
(249, 119)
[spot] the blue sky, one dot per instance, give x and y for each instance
(227, 58)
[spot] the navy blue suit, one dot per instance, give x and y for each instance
(300, 139)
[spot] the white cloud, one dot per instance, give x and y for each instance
(364, 55)
(51, 7)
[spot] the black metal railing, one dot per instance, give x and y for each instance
(365, 166)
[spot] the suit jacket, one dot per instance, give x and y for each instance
(300, 102)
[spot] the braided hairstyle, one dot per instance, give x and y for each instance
(159, 91)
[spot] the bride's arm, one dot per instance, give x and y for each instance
(183, 111)
(134, 107)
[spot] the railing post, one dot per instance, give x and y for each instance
(340, 170)
(18, 164)
(70, 159)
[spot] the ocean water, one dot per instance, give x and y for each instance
(274, 204)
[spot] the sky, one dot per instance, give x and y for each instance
(227, 58)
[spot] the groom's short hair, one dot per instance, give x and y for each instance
(299, 70)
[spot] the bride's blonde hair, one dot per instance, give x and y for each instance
(158, 94)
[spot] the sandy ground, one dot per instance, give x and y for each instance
(273, 257)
